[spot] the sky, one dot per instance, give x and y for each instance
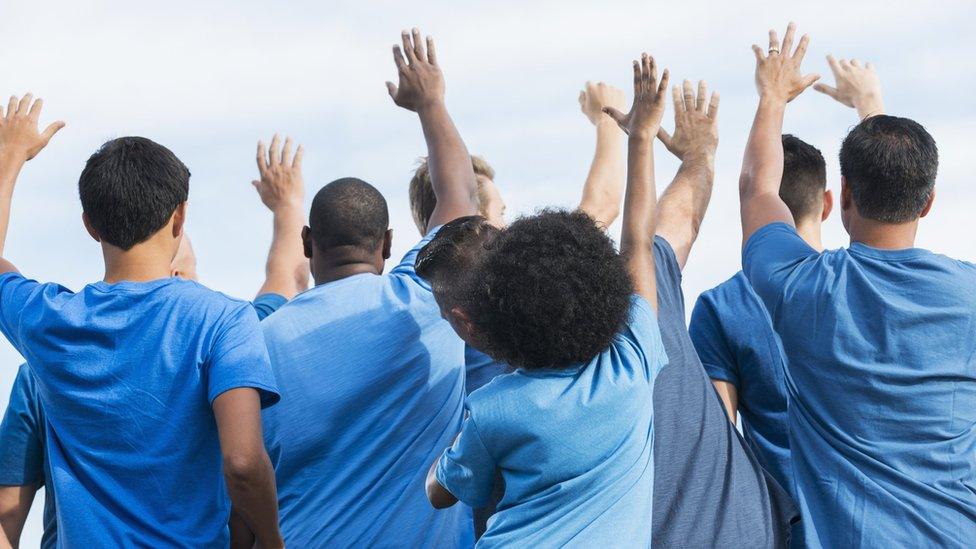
(208, 79)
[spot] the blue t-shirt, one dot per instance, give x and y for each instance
(732, 333)
(575, 447)
(881, 380)
(126, 374)
(372, 385)
(709, 489)
(479, 369)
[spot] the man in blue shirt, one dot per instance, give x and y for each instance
(150, 385)
(23, 468)
(372, 377)
(732, 334)
(881, 375)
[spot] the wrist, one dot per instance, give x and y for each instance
(771, 98)
(869, 106)
(431, 106)
(607, 126)
(703, 158)
(642, 137)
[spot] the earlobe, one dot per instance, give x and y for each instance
(179, 218)
(828, 205)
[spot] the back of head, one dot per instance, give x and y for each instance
(422, 198)
(452, 255)
(889, 164)
(550, 292)
(130, 188)
(349, 212)
(804, 178)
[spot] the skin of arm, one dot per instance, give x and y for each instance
(683, 205)
(779, 81)
(282, 190)
(730, 397)
(439, 497)
(20, 141)
(858, 86)
(421, 90)
(15, 504)
(641, 125)
(247, 469)
(604, 184)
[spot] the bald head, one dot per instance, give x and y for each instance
(349, 212)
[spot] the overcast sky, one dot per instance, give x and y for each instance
(209, 79)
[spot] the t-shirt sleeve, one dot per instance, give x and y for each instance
(770, 256)
(239, 358)
(16, 295)
(711, 343)
(643, 332)
(265, 304)
(22, 435)
(466, 469)
(407, 265)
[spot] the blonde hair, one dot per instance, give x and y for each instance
(422, 198)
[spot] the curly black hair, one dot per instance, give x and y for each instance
(449, 259)
(551, 292)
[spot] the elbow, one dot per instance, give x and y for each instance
(243, 471)
(439, 497)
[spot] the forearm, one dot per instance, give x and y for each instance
(241, 537)
(605, 181)
(10, 166)
(287, 270)
(762, 165)
(870, 105)
(683, 205)
(637, 232)
(254, 499)
(15, 504)
(451, 173)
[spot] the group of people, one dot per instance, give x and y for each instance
(526, 385)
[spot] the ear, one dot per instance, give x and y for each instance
(846, 200)
(89, 228)
(307, 241)
(828, 204)
(928, 205)
(462, 322)
(387, 243)
(179, 219)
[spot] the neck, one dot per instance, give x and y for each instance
(341, 262)
(886, 236)
(141, 263)
(809, 231)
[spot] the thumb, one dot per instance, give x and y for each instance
(827, 90)
(617, 116)
(810, 79)
(665, 137)
(392, 90)
(54, 128)
(582, 97)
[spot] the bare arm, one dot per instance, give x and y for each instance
(282, 190)
(730, 397)
(247, 468)
(779, 81)
(20, 141)
(15, 504)
(857, 87)
(421, 89)
(683, 205)
(439, 497)
(641, 124)
(605, 182)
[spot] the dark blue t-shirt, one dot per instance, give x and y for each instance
(709, 489)
(479, 369)
(736, 343)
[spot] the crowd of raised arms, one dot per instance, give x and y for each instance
(528, 385)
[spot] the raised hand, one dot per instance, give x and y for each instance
(695, 123)
(858, 86)
(644, 117)
(778, 75)
(20, 139)
(281, 181)
(595, 96)
(421, 81)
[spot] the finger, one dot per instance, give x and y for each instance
(398, 59)
(700, 98)
(689, 95)
(834, 65)
(618, 117)
(52, 129)
(431, 56)
(759, 53)
(257, 185)
(637, 80)
(801, 49)
(646, 74)
(408, 47)
(35, 110)
(274, 156)
(299, 154)
(418, 45)
(663, 85)
(12, 106)
(809, 80)
(713, 105)
(665, 137)
(392, 89)
(827, 90)
(869, 66)
(22, 108)
(582, 97)
(286, 152)
(262, 158)
(679, 104)
(653, 69)
(845, 64)
(773, 41)
(856, 63)
(788, 38)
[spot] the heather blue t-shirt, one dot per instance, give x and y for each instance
(881, 378)
(709, 489)
(732, 333)
(372, 385)
(22, 459)
(575, 447)
(126, 374)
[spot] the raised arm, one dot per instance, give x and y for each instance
(779, 81)
(282, 190)
(20, 141)
(857, 86)
(15, 504)
(605, 182)
(421, 90)
(682, 207)
(641, 125)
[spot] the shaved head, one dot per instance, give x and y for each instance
(349, 212)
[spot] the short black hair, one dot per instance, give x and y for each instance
(804, 177)
(348, 212)
(550, 292)
(890, 164)
(130, 188)
(451, 256)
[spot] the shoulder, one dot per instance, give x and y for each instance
(493, 402)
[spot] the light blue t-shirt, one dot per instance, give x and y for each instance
(126, 374)
(479, 369)
(881, 381)
(575, 447)
(732, 333)
(372, 385)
